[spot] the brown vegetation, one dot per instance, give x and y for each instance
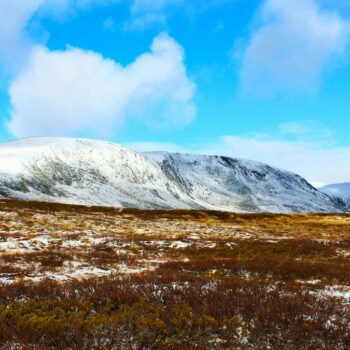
(95, 278)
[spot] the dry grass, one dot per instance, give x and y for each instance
(99, 278)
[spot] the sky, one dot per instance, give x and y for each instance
(265, 80)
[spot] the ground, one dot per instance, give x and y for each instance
(103, 278)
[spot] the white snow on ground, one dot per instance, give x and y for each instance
(179, 244)
(342, 292)
(88, 244)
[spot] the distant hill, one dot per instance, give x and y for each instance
(341, 190)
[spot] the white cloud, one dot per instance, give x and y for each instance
(139, 6)
(71, 91)
(62, 7)
(291, 48)
(144, 21)
(15, 42)
(154, 5)
(308, 130)
(76, 91)
(147, 13)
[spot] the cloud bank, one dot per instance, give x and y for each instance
(75, 91)
(290, 49)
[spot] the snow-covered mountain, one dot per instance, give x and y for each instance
(341, 190)
(95, 172)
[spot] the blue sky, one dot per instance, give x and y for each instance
(266, 80)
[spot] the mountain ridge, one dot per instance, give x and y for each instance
(338, 190)
(83, 171)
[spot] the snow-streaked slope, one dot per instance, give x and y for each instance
(96, 172)
(237, 184)
(82, 171)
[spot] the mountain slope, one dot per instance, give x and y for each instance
(96, 172)
(81, 171)
(341, 190)
(246, 185)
